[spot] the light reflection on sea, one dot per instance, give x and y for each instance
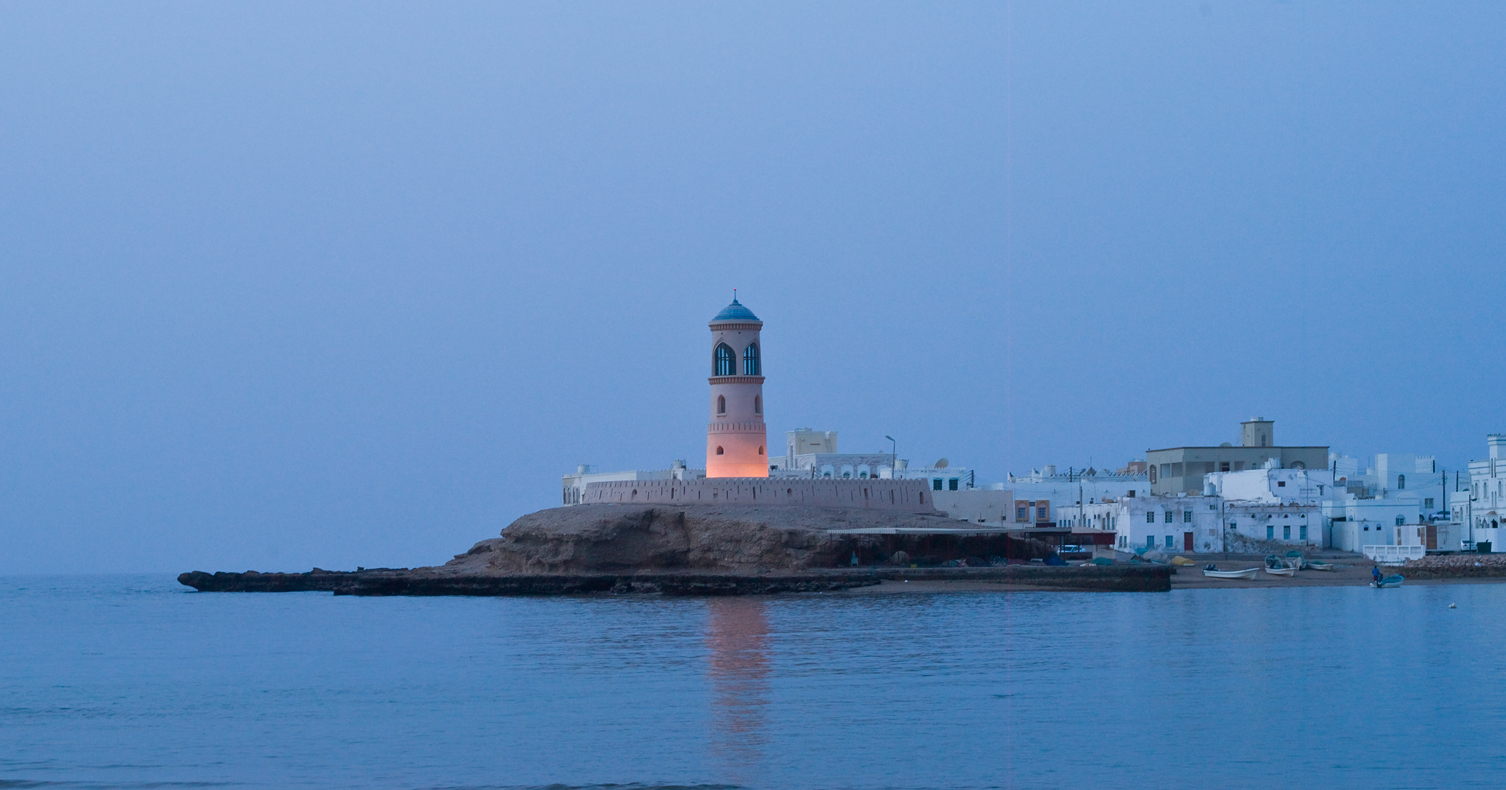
(137, 682)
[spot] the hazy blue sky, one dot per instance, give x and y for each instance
(354, 283)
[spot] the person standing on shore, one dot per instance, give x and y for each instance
(1375, 573)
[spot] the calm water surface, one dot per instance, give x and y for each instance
(137, 682)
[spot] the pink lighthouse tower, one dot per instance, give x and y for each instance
(736, 440)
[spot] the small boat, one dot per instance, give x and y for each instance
(1284, 571)
(1394, 580)
(1214, 573)
(1319, 566)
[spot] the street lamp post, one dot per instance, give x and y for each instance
(893, 457)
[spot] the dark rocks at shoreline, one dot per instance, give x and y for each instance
(1456, 566)
(705, 550)
(419, 582)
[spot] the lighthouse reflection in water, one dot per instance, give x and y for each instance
(738, 637)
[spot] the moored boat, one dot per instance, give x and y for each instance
(1393, 580)
(1319, 566)
(1214, 573)
(1287, 571)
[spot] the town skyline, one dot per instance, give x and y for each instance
(266, 308)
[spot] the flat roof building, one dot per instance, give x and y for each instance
(1180, 470)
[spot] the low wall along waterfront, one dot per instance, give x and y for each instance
(906, 496)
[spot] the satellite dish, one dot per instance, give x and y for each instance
(1226, 444)
(941, 464)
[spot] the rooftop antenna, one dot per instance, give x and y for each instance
(734, 294)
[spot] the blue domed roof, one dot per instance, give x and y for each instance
(735, 312)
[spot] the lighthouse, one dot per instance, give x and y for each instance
(736, 439)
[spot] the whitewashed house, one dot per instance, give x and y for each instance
(1173, 524)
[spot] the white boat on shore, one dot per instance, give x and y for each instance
(1281, 571)
(1247, 573)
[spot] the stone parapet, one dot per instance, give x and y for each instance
(906, 496)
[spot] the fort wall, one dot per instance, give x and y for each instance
(907, 496)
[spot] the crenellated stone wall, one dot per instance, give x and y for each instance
(907, 496)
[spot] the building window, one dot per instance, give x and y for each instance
(726, 361)
(760, 449)
(758, 404)
(936, 484)
(1186, 516)
(1302, 532)
(750, 360)
(1286, 532)
(1040, 512)
(951, 485)
(1281, 484)
(1168, 517)
(1150, 516)
(718, 451)
(1123, 541)
(1401, 482)
(1150, 541)
(1270, 532)
(721, 404)
(1022, 513)
(1428, 503)
(1223, 466)
(1401, 520)
(1168, 541)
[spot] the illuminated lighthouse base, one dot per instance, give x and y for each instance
(737, 449)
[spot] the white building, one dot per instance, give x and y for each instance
(1040, 495)
(1173, 524)
(1272, 486)
(1273, 505)
(1396, 501)
(1483, 507)
(814, 454)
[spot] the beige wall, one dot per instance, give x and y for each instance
(1181, 469)
(908, 496)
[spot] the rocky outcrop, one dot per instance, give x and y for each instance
(1456, 566)
(611, 538)
(705, 550)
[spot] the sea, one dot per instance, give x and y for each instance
(138, 682)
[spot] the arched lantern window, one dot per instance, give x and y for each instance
(726, 361)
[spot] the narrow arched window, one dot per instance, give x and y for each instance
(1401, 482)
(760, 449)
(721, 404)
(718, 451)
(750, 360)
(726, 361)
(758, 404)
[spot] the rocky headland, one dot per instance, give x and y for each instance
(708, 550)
